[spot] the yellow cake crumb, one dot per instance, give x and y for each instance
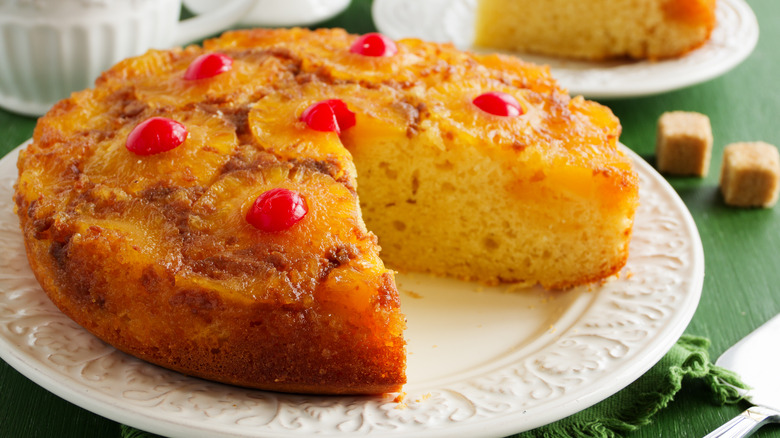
(411, 294)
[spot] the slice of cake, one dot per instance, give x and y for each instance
(596, 30)
(203, 208)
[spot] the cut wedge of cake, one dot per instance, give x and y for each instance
(597, 30)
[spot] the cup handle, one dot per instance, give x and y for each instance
(211, 22)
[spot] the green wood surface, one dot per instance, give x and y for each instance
(742, 279)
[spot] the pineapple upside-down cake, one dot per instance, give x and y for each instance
(203, 208)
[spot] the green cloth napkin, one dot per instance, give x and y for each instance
(635, 405)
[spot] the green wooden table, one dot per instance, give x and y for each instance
(742, 247)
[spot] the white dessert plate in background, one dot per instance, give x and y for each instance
(733, 39)
(280, 13)
(483, 361)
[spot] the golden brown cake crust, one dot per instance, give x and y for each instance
(184, 313)
(154, 256)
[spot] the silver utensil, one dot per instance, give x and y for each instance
(756, 359)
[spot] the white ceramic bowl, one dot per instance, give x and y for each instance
(50, 48)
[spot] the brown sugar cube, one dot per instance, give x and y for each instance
(750, 175)
(684, 143)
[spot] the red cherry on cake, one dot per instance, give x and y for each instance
(374, 44)
(277, 210)
(208, 65)
(498, 104)
(329, 116)
(155, 135)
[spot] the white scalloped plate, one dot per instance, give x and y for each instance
(733, 39)
(483, 361)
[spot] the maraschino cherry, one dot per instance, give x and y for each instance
(155, 135)
(329, 116)
(374, 44)
(208, 65)
(277, 210)
(498, 104)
